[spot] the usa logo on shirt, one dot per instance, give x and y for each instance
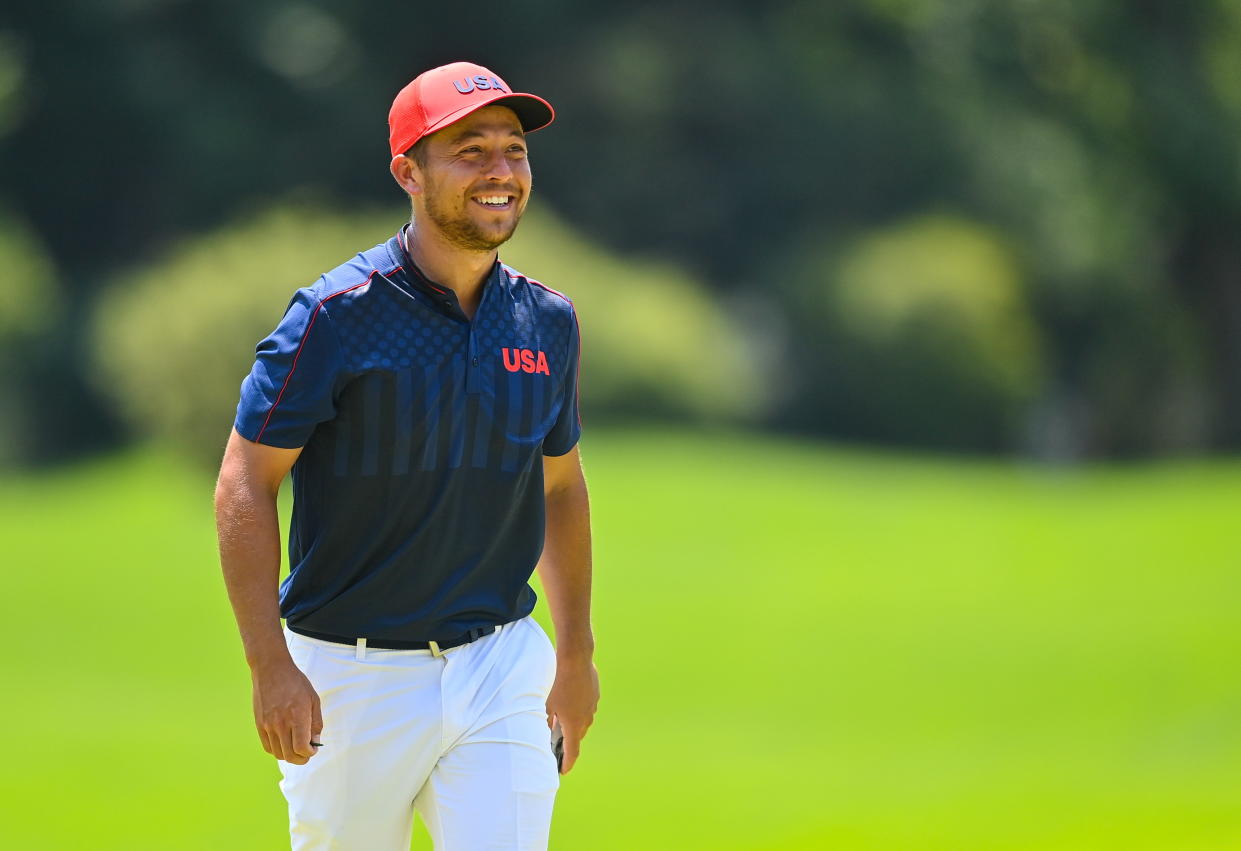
(525, 360)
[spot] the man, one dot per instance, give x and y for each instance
(424, 396)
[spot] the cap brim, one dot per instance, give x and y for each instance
(532, 111)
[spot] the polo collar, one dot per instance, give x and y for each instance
(444, 298)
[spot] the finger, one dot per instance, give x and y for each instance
(572, 748)
(583, 726)
(258, 722)
(301, 735)
(316, 724)
(282, 738)
(263, 738)
(273, 739)
(287, 745)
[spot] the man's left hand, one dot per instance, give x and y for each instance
(573, 700)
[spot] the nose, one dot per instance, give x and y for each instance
(498, 167)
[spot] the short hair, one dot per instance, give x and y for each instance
(419, 152)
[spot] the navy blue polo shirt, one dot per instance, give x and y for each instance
(418, 508)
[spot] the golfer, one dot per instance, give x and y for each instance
(425, 397)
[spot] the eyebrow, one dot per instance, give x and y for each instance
(475, 134)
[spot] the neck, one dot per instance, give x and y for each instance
(461, 270)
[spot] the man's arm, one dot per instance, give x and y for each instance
(286, 707)
(565, 571)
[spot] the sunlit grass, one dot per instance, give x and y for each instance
(800, 647)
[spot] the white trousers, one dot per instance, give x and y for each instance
(461, 738)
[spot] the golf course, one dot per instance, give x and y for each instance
(800, 646)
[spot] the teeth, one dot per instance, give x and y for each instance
(494, 200)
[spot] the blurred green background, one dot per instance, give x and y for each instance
(911, 382)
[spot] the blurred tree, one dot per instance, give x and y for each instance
(31, 306)
(1096, 140)
(928, 339)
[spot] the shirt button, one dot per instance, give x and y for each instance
(476, 361)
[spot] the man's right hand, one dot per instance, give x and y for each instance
(287, 713)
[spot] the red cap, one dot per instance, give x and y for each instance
(438, 97)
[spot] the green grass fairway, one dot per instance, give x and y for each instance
(800, 647)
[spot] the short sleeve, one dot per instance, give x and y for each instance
(565, 432)
(292, 386)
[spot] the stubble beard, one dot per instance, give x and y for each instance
(464, 232)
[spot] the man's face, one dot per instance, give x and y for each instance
(476, 178)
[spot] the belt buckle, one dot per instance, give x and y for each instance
(435, 648)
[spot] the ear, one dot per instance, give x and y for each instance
(406, 174)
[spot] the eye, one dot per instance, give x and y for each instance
(516, 149)
(472, 149)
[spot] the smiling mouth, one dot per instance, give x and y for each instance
(495, 202)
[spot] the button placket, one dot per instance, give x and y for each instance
(473, 380)
(473, 371)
